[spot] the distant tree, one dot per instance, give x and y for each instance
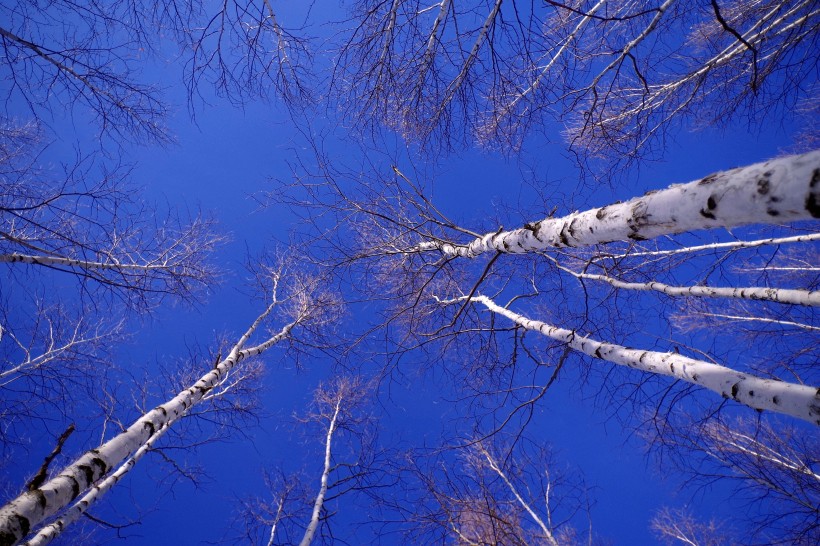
(679, 527)
(352, 463)
(772, 465)
(93, 58)
(620, 75)
(484, 494)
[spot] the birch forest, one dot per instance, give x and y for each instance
(480, 272)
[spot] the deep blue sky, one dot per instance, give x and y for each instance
(217, 165)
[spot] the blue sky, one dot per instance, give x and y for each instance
(232, 155)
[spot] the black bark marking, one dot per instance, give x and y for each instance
(601, 214)
(149, 426)
(598, 352)
(776, 400)
(772, 212)
(88, 472)
(41, 498)
(813, 199)
(711, 204)
(572, 227)
(735, 389)
(99, 463)
(695, 377)
(636, 237)
(25, 527)
(763, 183)
(751, 394)
(563, 236)
(75, 487)
(708, 180)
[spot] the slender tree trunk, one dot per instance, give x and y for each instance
(320, 498)
(545, 528)
(780, 190)
(753, 293)
(54, 529)
(799, 401)
(21, 515)
(82, 264)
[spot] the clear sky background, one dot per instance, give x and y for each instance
(221, 165)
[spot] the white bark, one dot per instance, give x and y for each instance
(544, 71)
(320, 498)
(82, 264)
(799, 401)
(730, 245)
(54, 529)
(751, 318)
(780, 190)
(21, 515)
(548, 536)
(779, 295)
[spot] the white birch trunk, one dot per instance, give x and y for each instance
(799, 401)
(753, 293)
(730, 245)
(82, 264)
(546, 529)
(54, 529)
(21, 515)
(780, 190)
(320, 498)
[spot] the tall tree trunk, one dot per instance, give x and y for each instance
(21, 515)
(801, 401)
(780, 190)
(320, 498)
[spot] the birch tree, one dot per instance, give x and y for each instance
(336, 408)
(619, 74)
(487, 494)
(409, 237)
(85, 221)
(99, 469)
(299, 507)
(93, 58)
(773, 468)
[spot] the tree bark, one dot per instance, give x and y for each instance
(799, 401)
(320, 498)
(21, 515)
(780, 190)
